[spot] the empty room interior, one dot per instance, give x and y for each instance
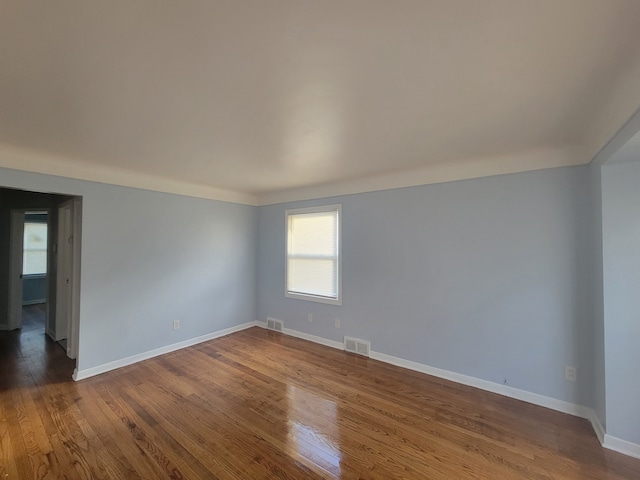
(320, 239)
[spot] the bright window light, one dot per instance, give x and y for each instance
(313, 254)
(35, 249)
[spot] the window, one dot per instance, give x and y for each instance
(35, 249)
(313, 254)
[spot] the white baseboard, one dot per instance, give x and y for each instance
(307, 336)
(107, 367)
(621, 446)
(313, 338)
(505, 390)
(607, 441)
(597, 427)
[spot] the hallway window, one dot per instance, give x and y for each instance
(35, 249)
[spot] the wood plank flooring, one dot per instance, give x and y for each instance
(260, 405)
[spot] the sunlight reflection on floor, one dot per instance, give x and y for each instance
(313, 429)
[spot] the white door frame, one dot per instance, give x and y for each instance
(16, 249)
(58, 330)
(68, 275)
(73, 325)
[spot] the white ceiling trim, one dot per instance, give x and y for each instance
(439, 173)
(29, 161)
(19, 159)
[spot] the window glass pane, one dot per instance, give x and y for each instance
(313, 253)
(35, 249)
(313, 277)
(35, 262)
(313, 234)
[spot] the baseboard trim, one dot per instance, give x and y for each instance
(607, 441)
(107, 367)
(505, 390)
(597, 427)
(313, 338)
(307, 336)
(621, 446)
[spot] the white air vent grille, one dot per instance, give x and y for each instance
(353, 345)
(275, 325)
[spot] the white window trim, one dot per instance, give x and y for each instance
(309, 297)
(45, 250)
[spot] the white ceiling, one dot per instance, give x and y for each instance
(265, 96)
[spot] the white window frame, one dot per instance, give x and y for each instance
(311, 297)
(45, 250)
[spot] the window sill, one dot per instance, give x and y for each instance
(34, 276)
(314, 298)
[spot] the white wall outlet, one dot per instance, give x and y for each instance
(570, 373)
(176, 324)
(310, 318)
(337, 323)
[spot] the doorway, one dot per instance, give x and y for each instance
(42, 265)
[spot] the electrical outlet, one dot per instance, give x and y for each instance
(570, 373)
(337, 323)
(310, 318)
(176, 324)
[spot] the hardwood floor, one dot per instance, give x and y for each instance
(33, 317)
(257, 405)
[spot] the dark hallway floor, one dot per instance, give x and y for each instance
(29, 352)
(33, 318)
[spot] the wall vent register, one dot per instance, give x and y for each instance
(354, 345)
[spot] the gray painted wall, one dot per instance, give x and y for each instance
(621, 254)
(487, 277)
(150, 258)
